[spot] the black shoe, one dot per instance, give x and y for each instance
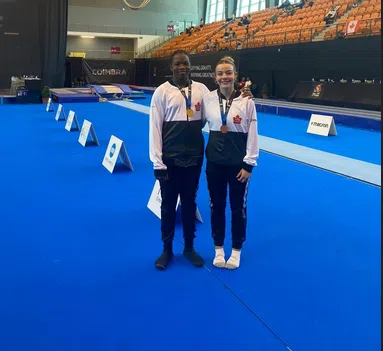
(195, 259)
(163, 261)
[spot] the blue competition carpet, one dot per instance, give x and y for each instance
(146, 101)
(355, 143)
(77, 246)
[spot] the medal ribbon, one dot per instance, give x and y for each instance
(187, 98)
(228, 105)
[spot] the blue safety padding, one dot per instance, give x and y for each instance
(99, 89)
(125, 88)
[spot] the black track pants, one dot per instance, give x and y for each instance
(182, 181)
(219, 178)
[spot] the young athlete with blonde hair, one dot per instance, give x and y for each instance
(232, 152)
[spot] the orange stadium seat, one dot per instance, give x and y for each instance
(304, 25)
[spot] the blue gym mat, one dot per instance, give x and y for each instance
(78, 245)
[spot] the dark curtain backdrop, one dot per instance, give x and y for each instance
(35, 43)
(53, 26)
(19, 44)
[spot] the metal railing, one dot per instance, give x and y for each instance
(79, 27)
(144, 51)
(168, 52)
(192, 46)
(366, 27)
(211, 34)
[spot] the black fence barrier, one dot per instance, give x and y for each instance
(202, 68)
(349, 95)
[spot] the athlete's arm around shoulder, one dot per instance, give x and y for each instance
(252, 147)
(205, 92)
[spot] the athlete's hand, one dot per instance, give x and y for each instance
(163, 176)
(246, 92)
(243, 176)
(166, 177)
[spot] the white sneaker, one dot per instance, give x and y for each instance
(234, 260)
(219, 259)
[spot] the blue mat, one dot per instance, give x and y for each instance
(146, 101)
(66, 95)
(355, 143)
(78, 246)
(340, 116)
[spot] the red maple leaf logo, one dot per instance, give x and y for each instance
(237, 119)
(197, 106)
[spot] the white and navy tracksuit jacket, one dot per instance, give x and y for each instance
(174, 138)
(238, 147)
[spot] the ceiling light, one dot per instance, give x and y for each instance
(87, 36)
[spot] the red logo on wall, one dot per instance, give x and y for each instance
(237, 119)
(115, 50)
(197, 106)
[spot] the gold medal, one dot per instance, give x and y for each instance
(190, 112)
(224, 129)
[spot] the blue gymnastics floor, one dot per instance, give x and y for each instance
(146, 101)
(78, 244)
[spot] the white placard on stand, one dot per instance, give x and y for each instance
(60, 114)
(87, 128)
(116, 148)
(321, 125)
(155, 200)
(72, 123)
(50, 106)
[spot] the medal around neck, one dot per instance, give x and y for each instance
(224, 129)
(190, 112)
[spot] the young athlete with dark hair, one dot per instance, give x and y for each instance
(176, 150)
